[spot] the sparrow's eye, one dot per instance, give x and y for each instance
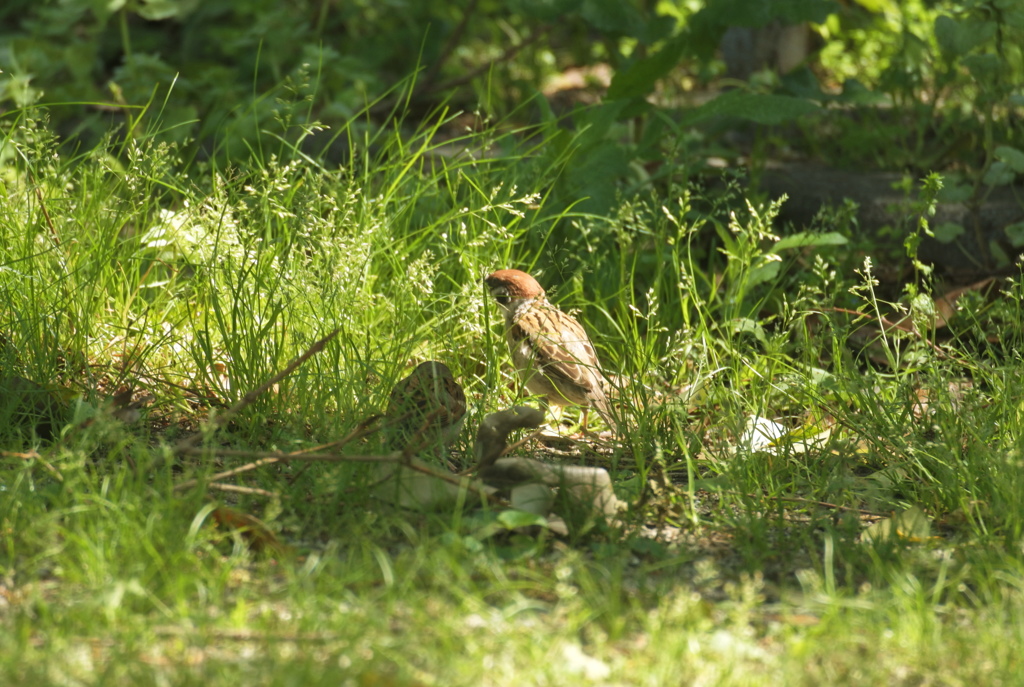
(502, 300)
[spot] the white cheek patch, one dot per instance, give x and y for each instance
(525, 351)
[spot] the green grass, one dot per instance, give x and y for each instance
(125, 267)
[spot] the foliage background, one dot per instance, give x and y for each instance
(193, 193)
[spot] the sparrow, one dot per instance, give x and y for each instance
(550, 350)
(428, 407)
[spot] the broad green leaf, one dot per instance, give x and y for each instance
(756, 107)
(594, 123)
(658, 28)
(1015, 234)
(856, 93)
(999, 174)
(592, 176)
(638, 79)
(947, 232)
(1011, 156)
(957, 38)
(799, 11)
(945, 34)
(157, 10)
(613, 17)
(544, 10)
(763, 273)
(513, 519)
(757, 13)
(999, 256)
(983, 67)
(806, 239)
(1014, 18)
(955, 193)
(743, 324)
(877, 6)
(822, 378)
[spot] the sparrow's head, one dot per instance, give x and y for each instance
(512, 288)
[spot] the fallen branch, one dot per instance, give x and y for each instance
(449, 46)
(218, 421)
(253, 491)
(365, 428)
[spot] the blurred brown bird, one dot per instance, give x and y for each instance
(428, 408)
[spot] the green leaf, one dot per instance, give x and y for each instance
(613, 17)
(1011, 156)
(758, 13)
(757, 107)
(763, 273)
(593, 175)
(983, 67)
(955, 193)
(945, 34)
(947, 232)
(658, 28)
(594, 124)
(799, 11)
(638, 79)
(856, 93)
(823, 378)
(742, 325)
(806, 239)
(1015, 234)
(957, 38)
(514, 519)
(999, 174)
(1014, 18)
(544, 10)
(158, 10)
(999, 256)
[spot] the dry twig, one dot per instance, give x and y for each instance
(187, 443)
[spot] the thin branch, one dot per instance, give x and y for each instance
(269, 458)
(419, 440)
(364, 428)
(205, 395)
(449, 46)
(187, 443)
(509, 54)
(278, 456)
(228, 473)
(243, 490)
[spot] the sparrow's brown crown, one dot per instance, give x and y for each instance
(515, 283)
